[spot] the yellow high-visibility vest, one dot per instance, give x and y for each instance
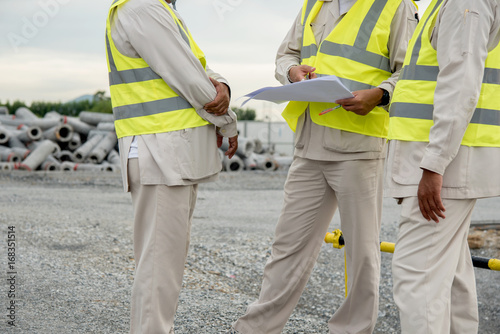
(356, 52)
(143, 103)
(412, 107)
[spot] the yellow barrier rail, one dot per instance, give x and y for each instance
(337, 240)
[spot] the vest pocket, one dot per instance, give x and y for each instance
(348, 142)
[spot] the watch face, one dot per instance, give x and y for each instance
(385, 98)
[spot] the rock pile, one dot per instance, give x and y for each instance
(484, 238)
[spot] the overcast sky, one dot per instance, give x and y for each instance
(53, 50)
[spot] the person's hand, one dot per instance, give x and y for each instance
(220, 104)
(220, 138)
(429, 196)
(363, 101)
(301, 72)
(233, 146)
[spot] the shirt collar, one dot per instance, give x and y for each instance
(345, 5)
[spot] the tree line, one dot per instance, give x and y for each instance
(99, 103)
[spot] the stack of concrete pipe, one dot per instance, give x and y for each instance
(252, 155)
(55, 142)
(88, 143)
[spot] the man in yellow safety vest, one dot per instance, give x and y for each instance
(339, 156)
(171, 112)
(444, 153)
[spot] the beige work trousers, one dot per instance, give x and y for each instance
(162, 224)
(313, 191)
(433, 274)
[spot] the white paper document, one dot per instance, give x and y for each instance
(322, 89)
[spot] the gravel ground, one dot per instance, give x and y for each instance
(74, 260)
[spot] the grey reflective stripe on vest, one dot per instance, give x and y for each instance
(366, 28)
(184, 36)
(418, 42)
(351, 84)
(491, 76)
(309, 7)
(355, 54)
(430, 73)
(111, 60)
(127, 76)
(309, 50)
(150, 108)
(358, 51)
(139, 75)
(134, 75)
(412, 71)
(425, 111)
(114, 2)
(419, 72)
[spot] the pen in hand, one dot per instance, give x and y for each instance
(326, 111)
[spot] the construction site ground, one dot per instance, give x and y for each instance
(71, 267)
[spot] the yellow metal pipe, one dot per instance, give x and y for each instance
(337, 240)
(494, 264)
(387, 247)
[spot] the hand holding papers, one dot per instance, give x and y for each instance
(322, 89)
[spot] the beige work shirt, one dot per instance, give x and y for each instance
(318, 142)
(464, 32)
(146, 29)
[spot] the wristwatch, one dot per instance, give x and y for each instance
(288, 73)
(386, 98)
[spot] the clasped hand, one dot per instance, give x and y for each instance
(220, 104)
(219, 107)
